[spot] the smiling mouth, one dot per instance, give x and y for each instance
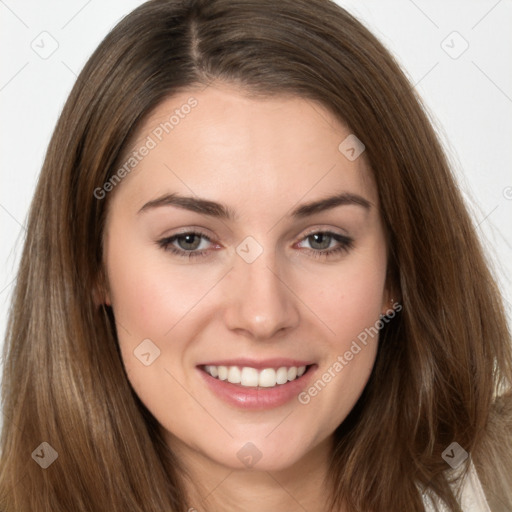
(249, 377)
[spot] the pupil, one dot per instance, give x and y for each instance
(321, 240)
(189, 242)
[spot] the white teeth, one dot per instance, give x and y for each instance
(282, 375)
(267, 378)
(292, 373)
(234, 375)
(251, 377)
(212, 370)
(222, 371)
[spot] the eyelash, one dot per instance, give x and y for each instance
(345, 244)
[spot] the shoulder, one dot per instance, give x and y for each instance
(473, 498)
(468, 489)
(487, 484)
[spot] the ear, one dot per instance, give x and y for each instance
(387, 302)
(391, 298)
(100, 292)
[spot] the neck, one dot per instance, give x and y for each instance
(214, 487)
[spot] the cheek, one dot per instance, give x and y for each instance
(147, 301)
(351, 297)
(349, 302)
(359, 302)
(351, 309)
(148, 295)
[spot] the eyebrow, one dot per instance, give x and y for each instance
(218, 210)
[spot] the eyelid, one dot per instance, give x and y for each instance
(197, 232)
(344, 242)
(324, 229)
(189, 230)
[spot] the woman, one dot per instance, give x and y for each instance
(250, 283)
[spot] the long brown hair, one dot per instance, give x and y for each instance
(442, 362)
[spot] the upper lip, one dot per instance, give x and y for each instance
(276, 362)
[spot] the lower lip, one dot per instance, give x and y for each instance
(257, 398)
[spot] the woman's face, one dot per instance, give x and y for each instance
(244, 243)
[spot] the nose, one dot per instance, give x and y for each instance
(261, 303)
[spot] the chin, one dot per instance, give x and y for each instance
(260, 455)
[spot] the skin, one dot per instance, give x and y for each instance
(261, 158)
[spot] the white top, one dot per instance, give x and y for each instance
(472, 496)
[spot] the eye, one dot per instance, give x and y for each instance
(196, 244)
(326, 243)
(188, 245)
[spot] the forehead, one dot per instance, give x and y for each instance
(220, 141)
